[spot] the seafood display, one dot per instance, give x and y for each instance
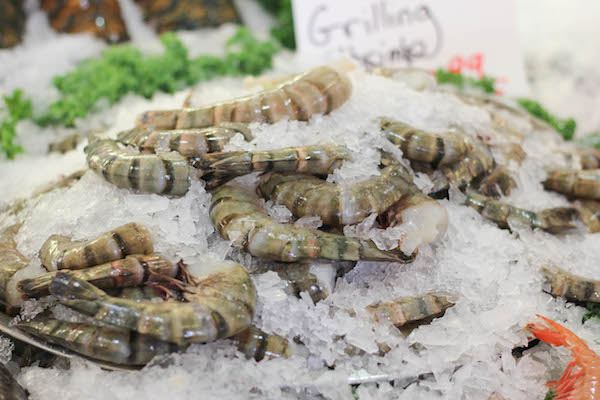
(167, 15)
(284, 251)
(99, 17)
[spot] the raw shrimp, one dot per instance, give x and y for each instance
(187, 142)
(237, 216)
(112, 344)
(498, 183)
(411, 309)
(258, 344)
(219, 304)
(318, 91)
(572, 287)
(577, 183)
(590, 158)
(336, 204)
(131, 271)
(11, 261)
(419, 145)
(65, 145)
(60, 252)
(165, 173)
(581, 379)
(589, 212)
(553, 220)
(477, 162)
(312, 160)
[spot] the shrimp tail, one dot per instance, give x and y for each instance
(66, 287)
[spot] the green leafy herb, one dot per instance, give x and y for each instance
(284, 30)
(593, 311)
(550, 395)
(18, 108)
(124, 69)
(486, 83)
(565, 127)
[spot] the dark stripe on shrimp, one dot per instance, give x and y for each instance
(175, 142)
(589, 291)
(110, 158)
(261, 347)
(133, 174)
(220, 324)
(90, 257)
(121, 244)
(439, 152)
(169, 176)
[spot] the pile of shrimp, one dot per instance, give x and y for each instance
(142, 304)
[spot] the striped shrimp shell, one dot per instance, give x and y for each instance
(165, 173)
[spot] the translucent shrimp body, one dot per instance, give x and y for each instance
(477, 162)
(187, 142)
(60, 252)
(312, 160)
(581, 380)
(219, 305)
(318, 91)
(237, 216)
(336, 204)
(589, 211)
(419, 145)
(112, 344)
(164, 173)
(131, 271)
(578, 183)
(411, 309)
(11, 261)
(553, 220)
(258, 344)
(498, 183)
(572, 287)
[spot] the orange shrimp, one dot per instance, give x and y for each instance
(581, 380)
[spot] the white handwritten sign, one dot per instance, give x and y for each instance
(470, 36)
